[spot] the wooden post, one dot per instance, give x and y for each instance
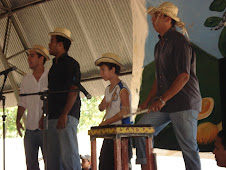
(117, 154)
(125, 155)
(149, 153)
(93, 153)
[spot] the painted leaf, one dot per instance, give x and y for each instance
(212, 21)
(222, 42)
(218, 5)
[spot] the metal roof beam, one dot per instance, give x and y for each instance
(11, 79)
(14, 55)
(4, 8)
(17, 28)
(16, 9)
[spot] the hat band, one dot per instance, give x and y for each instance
(112, 59)
(61, 34)
(41, 53)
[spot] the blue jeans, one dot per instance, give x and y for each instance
(185, 129)
(33, 139)
(62, 146)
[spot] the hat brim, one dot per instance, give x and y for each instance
(61, 34)
(152, 10)
(40, 52)
(84, 157)
(108, 60)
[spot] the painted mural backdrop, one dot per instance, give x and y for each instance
(207, 33)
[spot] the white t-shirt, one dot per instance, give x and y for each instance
(115, 106)
(33, 104)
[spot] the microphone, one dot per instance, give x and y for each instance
(81, 88)
(5, 72)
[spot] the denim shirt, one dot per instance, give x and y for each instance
(174, 55)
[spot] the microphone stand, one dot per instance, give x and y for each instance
(3, 118)
(44, 97)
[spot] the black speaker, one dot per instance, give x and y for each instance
(222, 73)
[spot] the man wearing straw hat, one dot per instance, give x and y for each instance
(175, 93)
(32, 83)
(63, 108)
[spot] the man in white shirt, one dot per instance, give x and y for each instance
(32, 83)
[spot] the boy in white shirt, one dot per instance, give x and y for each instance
(116, 102)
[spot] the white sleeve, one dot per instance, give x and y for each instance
(22, 100)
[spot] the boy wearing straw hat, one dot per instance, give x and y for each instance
(32, 83)
(175, 90)
(116, 102)
(63, 108)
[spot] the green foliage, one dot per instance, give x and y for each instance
(218, 5)
(212, 21)
(10, 123)
(90, 116)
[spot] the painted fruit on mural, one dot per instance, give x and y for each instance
(207, 108)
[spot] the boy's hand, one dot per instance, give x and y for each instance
(103, 123)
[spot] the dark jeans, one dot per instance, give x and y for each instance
(106, 159)
(32, 142)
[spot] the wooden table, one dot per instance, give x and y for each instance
(120, 134)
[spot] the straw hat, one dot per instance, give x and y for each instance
(41, 50)
(109, 58)
(62, 32)
(170, 10)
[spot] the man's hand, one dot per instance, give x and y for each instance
(156, 106)
(19, 126)
(62, 121)
(143, 106)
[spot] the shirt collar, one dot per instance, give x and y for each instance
(167, 34)
(61, 58)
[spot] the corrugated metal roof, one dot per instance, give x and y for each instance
(97, 26)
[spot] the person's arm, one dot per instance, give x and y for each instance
(71, 98)
(103, 105)
(151, 96)
(176, 86)
(125, 109)
(20, 112)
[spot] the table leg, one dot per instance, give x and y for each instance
(125, 157)
(150, 155)
(117, 154)
(93, 154)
